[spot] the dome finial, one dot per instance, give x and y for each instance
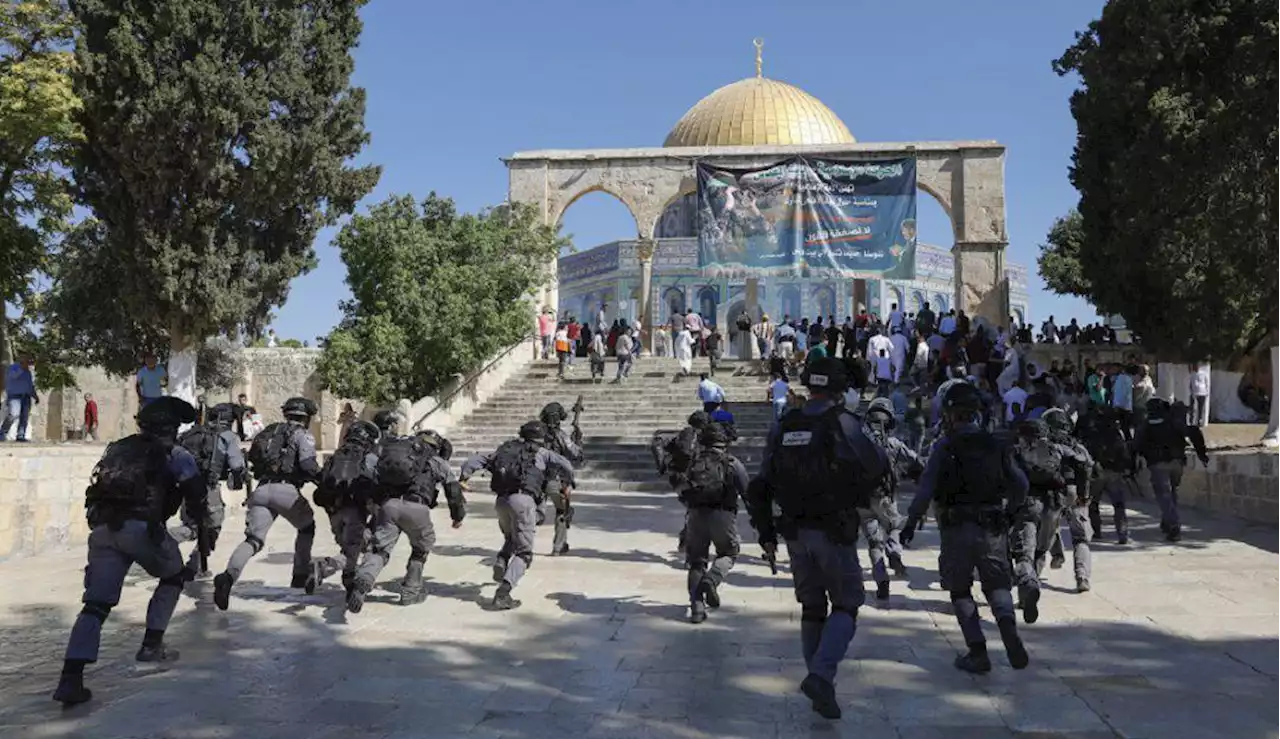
(759, 44)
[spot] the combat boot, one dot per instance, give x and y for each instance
(697, 612)
(897, 565)
(502, 600)
(709, 593)
(1031, 607)
(976, 660)
(156, 653)
(413, 591)
(71, 689)
(355, 599)
(1013, 647)
(822, 694)
(222, 591)
(882, 590)
(499, 570)
(1082, 585)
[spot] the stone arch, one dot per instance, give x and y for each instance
(824, 300)
(940, 303)
(789, 303)
(672, 301)
(895, 296)
(917, 300)
(558, 215)
(708, 300)
(687, 187)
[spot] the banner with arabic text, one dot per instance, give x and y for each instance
(809, 217)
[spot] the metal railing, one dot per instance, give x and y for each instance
(466, 382)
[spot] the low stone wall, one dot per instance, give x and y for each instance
(463, 397)
(1242, 483)
(42, 497)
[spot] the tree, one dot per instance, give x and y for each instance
(1175, 161)
(38, 110)
(219, 363)
(1059, 259)
(218, 137)
(434, 293)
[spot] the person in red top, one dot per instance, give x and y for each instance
(575, 334)
(90, 418)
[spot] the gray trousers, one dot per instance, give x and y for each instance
(111, 554)
(1165, 479)
(555, 496)
(705, 528)
(265, 504)
(968, 546)
(876, 538)
(1115, 487)
(394, 517)
(825, 574)
(1023, 541)
(347, 525)
(518, 520)
(187, 529)
(1049, 532)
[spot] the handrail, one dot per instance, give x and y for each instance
(417, 425)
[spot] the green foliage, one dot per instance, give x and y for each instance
(1176, 166)
(38, 110)
(219, 363)
(1059, 259)
(218, 137)
(434, 293)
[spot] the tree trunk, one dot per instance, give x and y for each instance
(1270, 438)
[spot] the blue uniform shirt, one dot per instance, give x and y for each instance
(1017, 490)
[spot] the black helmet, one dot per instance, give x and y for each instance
(1157, 406)
(714, 434)
(384, 420)
(826, 375)
(962, 396)
(533, 431)
(222, 414)
(441, 445)
(552, 414)
(163, 416)
(362, 432)
(1057, 420)
(299, 407)
(698, 419)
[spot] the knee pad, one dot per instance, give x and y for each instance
(309, 529)
(254, 543)
(813, 614)
(176, 580)
(527, 557)
(98, 609)
(418, 555)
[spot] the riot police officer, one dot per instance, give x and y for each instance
(1103, 434)
(409, 474)
(819, 467)
(216, 448)
(138, 484)
(283, 459)
(1162, 442)
(1075, 507)
(976, 488)
(555, 491)
(715, 482)
(345, 491)
(518, 470)
(882, 521)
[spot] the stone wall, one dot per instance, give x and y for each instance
(1242, 483)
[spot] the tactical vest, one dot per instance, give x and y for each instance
(1164, 440)
(973, 474)
(709, 482)
(132, 481)
(205, 444)
(514, 469)
(273, 456)
(813, 485)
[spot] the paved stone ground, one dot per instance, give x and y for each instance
(1175, 641)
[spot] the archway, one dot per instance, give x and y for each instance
(894, 297)
(940, 303)
(592, 220)
(824, 301)
(673, 300)
(917, 301)
(789, 302)
(708, 299)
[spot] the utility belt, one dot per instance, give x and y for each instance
(991, 518)
(841, 525)
(419, 498)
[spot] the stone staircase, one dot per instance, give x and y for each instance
(619, 419)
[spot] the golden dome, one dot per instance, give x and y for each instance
(758, 111)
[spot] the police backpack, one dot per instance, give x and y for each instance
(272, 454)
(813, 481)
(973, 472)
(1042, 461)
(708, 482)
(682, 450)
(401, 461)
(133, 475)
(341, 475)
(514, 469)
(204, 443)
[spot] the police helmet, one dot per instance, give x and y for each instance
(699, 419)
(164, 415)
(552, 414)
(714, 434)
(299, 407)
(826, 375)
(533, 431)
(1056, 419)
(433, 439)
(880, 405)
(384, 420)
(962, 396)
(362, 432)
(222, 414)
(1157, 406)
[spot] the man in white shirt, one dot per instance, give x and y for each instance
(778, 391)
(884, 373)
(1015, 400)
(709, 393)
(947, 325)
(896, 318)
(878, 342)
(602, 321)
(1200, 394)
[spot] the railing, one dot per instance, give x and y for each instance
(466, 382)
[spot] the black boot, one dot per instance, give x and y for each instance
(71, 689)
(882, 590)
(697, 612)
(1031, 607)
(153, 648)
(709, 593)
(413, 591)
(355, 598)
(823, 695)
(976, 660)
(1013, 647)
(897, 565)
(222, 591)
(502, 600)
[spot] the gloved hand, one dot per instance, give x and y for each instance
(908, 531)
(1204, 460)
(463, 484)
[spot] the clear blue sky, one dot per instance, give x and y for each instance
(454, 86)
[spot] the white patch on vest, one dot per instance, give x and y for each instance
(819, 380)
(797, 438)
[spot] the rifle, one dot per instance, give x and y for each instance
(202, 546)
(771, 556)
(578, 408)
